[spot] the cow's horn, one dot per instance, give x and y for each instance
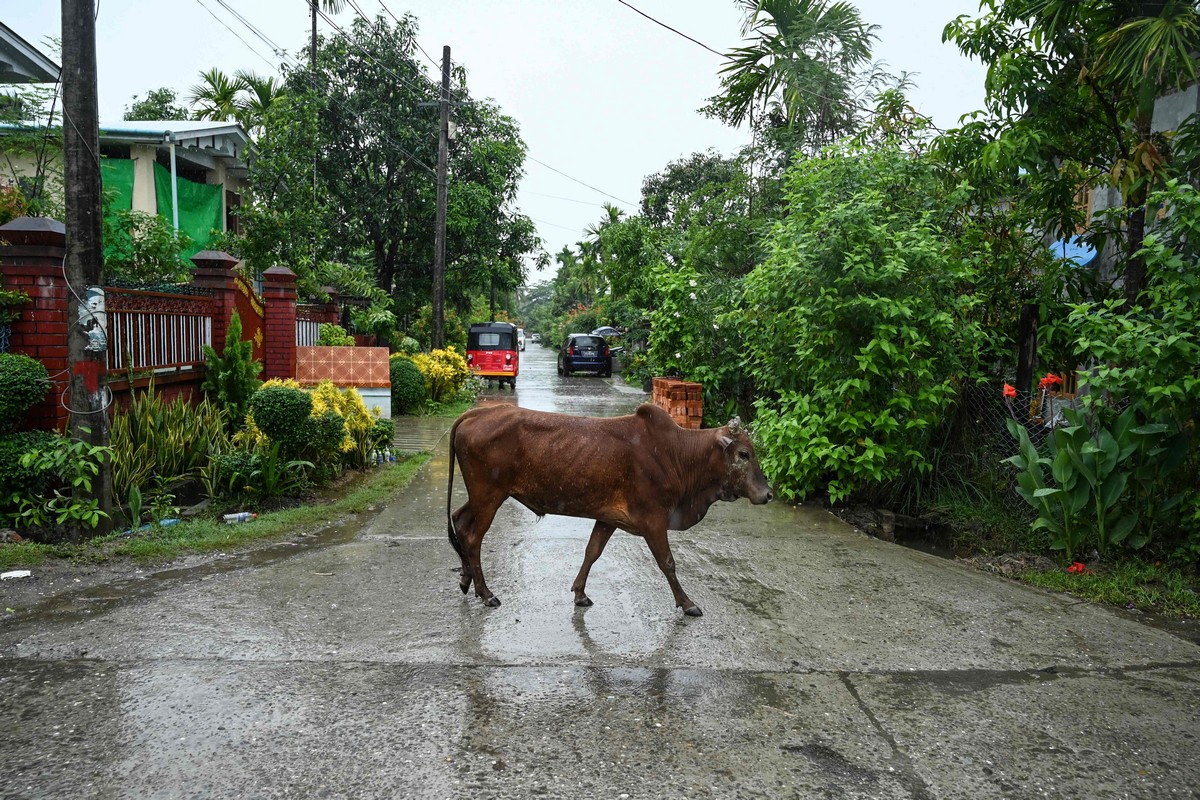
(735, 425)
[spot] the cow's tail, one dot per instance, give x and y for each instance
(455, 542)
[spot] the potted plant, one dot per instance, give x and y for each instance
(10, 302)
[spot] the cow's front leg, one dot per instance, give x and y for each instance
(660, 548)
(601, 533)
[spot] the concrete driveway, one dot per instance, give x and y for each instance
(827, 664)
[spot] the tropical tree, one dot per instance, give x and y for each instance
(216, 97)
(1071, 89)
(802, 70)
(159, 104)
(258, 93)
(328, 7)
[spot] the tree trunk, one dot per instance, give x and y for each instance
(1027, 347)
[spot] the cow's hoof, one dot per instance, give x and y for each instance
(693, 611)
(492, 602)
(465, 586)
(583, 601)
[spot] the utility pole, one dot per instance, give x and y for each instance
(439, 240)
(87, 337)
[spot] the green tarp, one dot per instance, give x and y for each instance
(116, 175)
(199, 207)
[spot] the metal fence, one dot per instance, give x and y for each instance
(983, 421)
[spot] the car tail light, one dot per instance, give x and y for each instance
(470, 358)
(508, 358)
(571, 350)
(606, 350)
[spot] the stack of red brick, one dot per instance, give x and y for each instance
(683, 400)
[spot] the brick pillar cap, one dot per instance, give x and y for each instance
(34, 230)
(214, 258)
(278, 274)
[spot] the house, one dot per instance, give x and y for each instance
(192, 173)
(21, 62)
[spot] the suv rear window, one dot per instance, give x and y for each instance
(588, 341)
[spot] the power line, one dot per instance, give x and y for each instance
(672, 30)
(282, 53)
(581, 183)
(238, 36)
(567, 199)
(801, 89)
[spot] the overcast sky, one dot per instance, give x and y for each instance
(601, 93)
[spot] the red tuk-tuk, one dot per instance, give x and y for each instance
(492, 352)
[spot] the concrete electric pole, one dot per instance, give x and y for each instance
(87, 338)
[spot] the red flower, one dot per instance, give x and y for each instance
(1050, 380)
(1077, 568)
(1010, 391)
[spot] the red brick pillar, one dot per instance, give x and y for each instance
(214, 271)
(279, 297)
(32, 250)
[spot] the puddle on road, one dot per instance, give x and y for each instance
(84, 603)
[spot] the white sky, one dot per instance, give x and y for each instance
(601, 93)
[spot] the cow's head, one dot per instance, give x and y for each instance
(743, 477)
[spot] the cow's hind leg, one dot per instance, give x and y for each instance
(460, 521)
(660, 548)
(601, 533)
(476, 518)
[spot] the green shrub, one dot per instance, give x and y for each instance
(383, 432)
(231, 377)
(408, 385)
(331, 335)
(15, 478)
(23, 382)
(162, 441)
(282, 413)
(407, 346)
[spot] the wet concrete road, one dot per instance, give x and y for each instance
(827, 664)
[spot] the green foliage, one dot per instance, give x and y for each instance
(856, 331)
(331, 335)
(159, 104)
(143, 249)
(454, 330)
(282, 413)
(75, 463)
(158, 442)
(10, 302)
(408, 385)
(23, 382)
(383, 433)
(16, 479)
(12, 204)
(406, 345)
(231, 377)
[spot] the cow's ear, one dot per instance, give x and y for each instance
(724, 441)
(735, 425)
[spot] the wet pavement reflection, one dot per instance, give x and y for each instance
(827, 665)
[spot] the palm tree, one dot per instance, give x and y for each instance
(799, 69)
(216, 98)
(258, 95)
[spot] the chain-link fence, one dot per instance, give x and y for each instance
(984, 436)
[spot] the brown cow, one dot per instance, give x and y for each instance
(641, 473)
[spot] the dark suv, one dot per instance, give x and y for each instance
(583, 352)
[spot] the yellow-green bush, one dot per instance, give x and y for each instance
(445, 372)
